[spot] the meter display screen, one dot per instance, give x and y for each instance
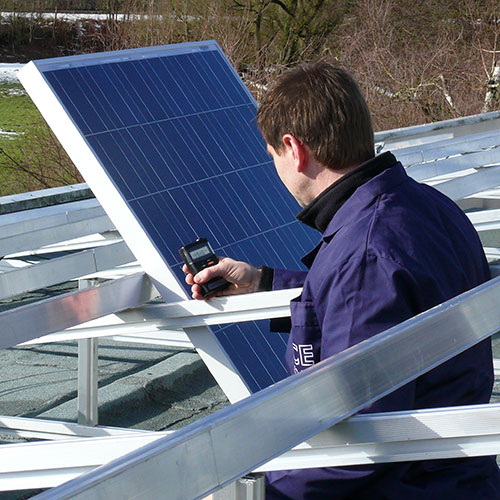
(198, 253)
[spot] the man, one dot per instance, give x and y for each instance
(390, 249)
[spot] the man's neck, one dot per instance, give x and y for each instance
(322, 178)
(321, 209)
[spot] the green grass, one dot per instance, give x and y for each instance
(19, 118)
(30, 157)
(17, 112)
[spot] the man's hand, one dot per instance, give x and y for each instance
(243, 277)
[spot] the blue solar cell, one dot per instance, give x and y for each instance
(217, 159)
(64, 84)
(101, 153)
(129, 97)
(226, 78)
(216, 122)
(181, 98)
(176, 133)
(249, 348)
(99, 79)
(146, 212)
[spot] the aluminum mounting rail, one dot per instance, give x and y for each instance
(57, 313)
(492, 253)
(216, 311)
(457, 432)
(77, 244)
(485, 220)
(468, 185)
(54, 234)
(242, 437)
(63, 195)
(465, 431)
(183, 314)
(443, 149)
(56, 430)
(467, 122)
(485, 200)
(148, 333)
(63, 269)
(164, 337)
(41, 218)
(46, 464)
(456, 164)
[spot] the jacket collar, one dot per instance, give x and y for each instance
(322, 209)
(340, 203)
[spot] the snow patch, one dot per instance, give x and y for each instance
(74, 17)
(12, 92)
(8, 72)
(6, 133)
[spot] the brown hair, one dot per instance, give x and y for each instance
(322, 106)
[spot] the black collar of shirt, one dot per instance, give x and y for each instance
(321, 210)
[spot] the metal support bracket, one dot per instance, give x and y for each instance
(250, 487)
(88, 379)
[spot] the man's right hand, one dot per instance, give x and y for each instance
(243, 277)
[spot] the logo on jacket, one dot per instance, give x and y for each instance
(303, 356)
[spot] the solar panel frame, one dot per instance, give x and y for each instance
(84, 140)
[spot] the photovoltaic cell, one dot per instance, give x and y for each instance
(175, 132)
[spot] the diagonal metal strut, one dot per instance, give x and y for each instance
(218, 449)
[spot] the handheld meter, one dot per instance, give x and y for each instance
(199, 255)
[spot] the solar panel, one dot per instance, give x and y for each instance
(167, 140)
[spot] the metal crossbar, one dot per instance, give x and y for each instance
(54, 234)
(459, 126)
(317, 398)
(421, 172)
(415, 155)
(184, 314)
(51, 315)
(45, 197)
(471, 184)
(50, 216)
(364, 439)
(422, 153)
(63, 269)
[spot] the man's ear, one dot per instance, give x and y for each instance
(298, 151)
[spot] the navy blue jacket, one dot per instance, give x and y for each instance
(393, 249)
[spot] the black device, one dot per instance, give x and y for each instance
(199, 255)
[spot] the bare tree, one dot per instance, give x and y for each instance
(37, 162)
(419, 61)
(485, 21)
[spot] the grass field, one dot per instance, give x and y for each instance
(17, 115)
(16, 110)
(30, 158)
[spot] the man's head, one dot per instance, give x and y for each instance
(321, 106)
